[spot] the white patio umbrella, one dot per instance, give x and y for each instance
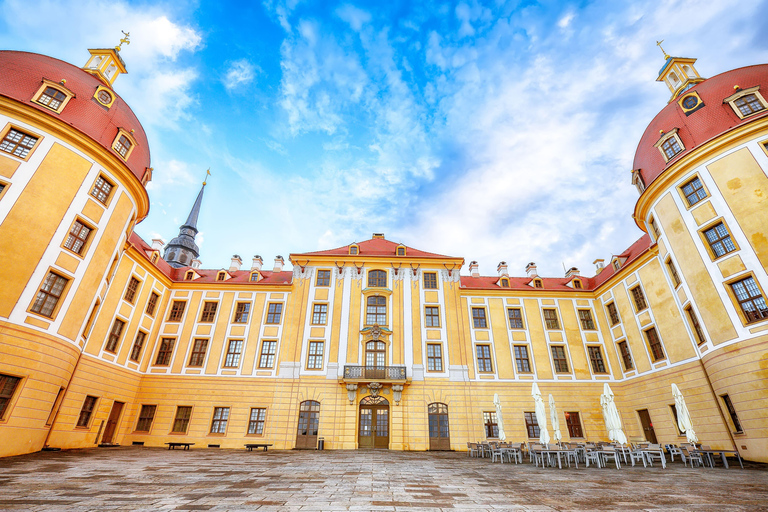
(499, 421)
(555, 422)
(541, 414)
(684, 422)
(611, 416)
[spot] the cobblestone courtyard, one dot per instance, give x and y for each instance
(157, 479)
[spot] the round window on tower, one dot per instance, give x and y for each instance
(690, 102)
(104, 97)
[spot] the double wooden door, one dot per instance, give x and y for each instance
(439, 433)
(309, 422)
(374, 423)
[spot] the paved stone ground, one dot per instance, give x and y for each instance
(134, 478)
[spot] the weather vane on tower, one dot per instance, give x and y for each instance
(658, 43)
(124, 40)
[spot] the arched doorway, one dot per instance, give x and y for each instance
(309, 420)
(439, 434)
(374, 423)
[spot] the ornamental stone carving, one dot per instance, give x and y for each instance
(397, 390)
(374, 388)
(351, 392)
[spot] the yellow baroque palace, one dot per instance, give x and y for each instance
(106, 339)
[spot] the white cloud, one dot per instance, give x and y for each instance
(239, 74)
(566, 20)
(354, 16)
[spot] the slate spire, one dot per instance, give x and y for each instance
(182, 250)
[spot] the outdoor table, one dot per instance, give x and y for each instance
(558, 453)
(185, 446)
(709, 455)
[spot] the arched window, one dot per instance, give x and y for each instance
(376, 312)
(375, 354)
(377, 278)
(439, 435)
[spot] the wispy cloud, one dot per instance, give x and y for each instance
(239, 74)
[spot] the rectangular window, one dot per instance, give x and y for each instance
(199, 349)
(274, 313)
(696, 326)
(655, 228)
(85, 412)
(432, 314)
(123, 145)
(130, 291)
(719, 240)
(49, 294)
(626, 356)
(77, 238)
(574, 424)
(101, 190)
(671, 147)
(515, 316)
(559, 358)
(146, 416)
(315, 355)
(8, 386)
(18, 143)
(550, 318)
(219, 421)
(638, 298)
(138, 344)
(256, 421)
(732, 413)
(209, 311)
(241, 312)
(222, 276)
(430, 280)
(657, 351)
(267, 358)
(152, 304)
(521, 359)
(478, 318)
(323, 278)
(484, 363)
(531, 425)
(596, 358)
(694, 191)
(613, 314)
(750, 299)
(319, 314)
(165, 351)
(673, 272)
(585, 317)
(434, 357)
(748, 105)
(491, 425)
(234, 349)
(54, 407)
(181, 421)
(114, 335)
(177, 311)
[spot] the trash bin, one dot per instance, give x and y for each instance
(320, 443)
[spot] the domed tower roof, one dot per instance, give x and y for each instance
(23, 74)
(710, 116)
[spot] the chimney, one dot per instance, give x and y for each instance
(378, 235)
(237, 262)
(599, 265)
(157, 244)
(502, 269)
(196, 263)
(530, 270)
(257, 263)
(474, 269)
(279, 262)
(573, 271)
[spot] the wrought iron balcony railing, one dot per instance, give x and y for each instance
(374, 372)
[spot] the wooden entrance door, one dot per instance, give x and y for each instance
(374, 423)
(439, 434)
(309, 420)
(645, 421)
(114, 417)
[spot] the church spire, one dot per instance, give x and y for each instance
(678, 73)
(182, 250)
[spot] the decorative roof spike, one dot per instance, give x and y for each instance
(125, 40)
(658, 43)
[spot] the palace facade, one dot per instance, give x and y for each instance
(107, 339)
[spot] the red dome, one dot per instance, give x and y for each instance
(704, 124)
(22, 75)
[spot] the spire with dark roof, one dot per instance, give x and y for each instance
(182, 250)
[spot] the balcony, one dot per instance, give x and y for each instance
(374, 373)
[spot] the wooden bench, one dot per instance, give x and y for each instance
(172, 446)
(251, 446)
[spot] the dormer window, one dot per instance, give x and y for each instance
(401, 250)
(746, 102)
(155, 257)
(53, 95)
(616, 265)
(190, 276)
(504, 282)
(124, 144)
(537, 283)
(670, 145)
(254, 277)
(354, 249)
(222, 276)
(637, 180)
(577, 284)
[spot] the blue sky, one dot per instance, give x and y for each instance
(492, 131)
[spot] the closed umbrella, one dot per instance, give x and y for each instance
(541, 414)
(555, 422)
(611, 416)
(684, 422)
(499, 421)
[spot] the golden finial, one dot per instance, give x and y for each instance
(123, 40)
(207, 173)
(658, 43)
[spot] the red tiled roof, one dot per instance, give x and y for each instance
(704, 124)
(631, 254)
(375, 247)
(22, 75)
